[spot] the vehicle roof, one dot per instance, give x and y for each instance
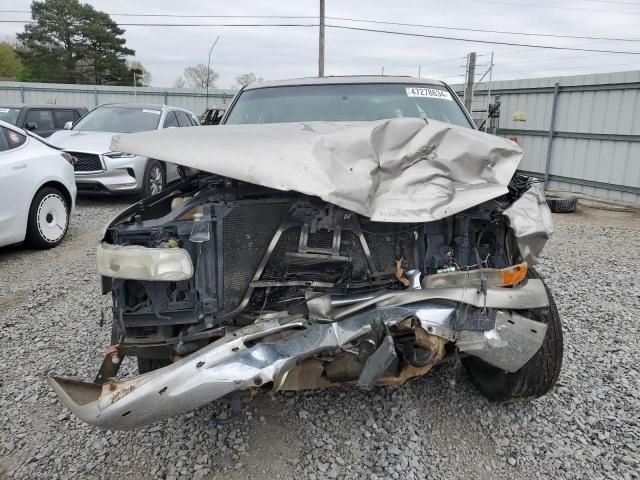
(54, 106)
(341, 80)
(150, 106)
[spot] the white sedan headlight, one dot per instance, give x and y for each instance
(119, 155)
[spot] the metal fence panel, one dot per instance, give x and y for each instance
(596, 135)
(92, 95)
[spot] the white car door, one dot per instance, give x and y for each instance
(15, 185)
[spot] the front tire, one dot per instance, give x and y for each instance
(537, 376)
(48, 219)
(154, 179)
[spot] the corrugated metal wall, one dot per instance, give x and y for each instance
(595, 142)
(596, 137)
(90, 96)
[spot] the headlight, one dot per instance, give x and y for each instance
(118, 155)
(494, 277)
(69, 158)
(135, 262)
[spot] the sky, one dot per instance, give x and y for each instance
(288, 52)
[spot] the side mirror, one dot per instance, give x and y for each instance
(31, 126)
(68, 125)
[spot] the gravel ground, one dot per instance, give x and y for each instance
(436, 427)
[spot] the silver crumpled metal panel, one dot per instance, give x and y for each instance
(399, 170)
(510, 345)
(531, 221)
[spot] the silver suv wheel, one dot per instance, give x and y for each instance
(156, 179)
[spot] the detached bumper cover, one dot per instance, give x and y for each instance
(251, 356)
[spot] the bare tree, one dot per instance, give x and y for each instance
(199, 75)
(247, 78)
(179, 82)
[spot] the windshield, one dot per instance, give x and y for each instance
(119, 120)
(9, 115)
(346, 103)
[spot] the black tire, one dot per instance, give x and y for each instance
(48, 220)
(537, 376)
(154, 180)
(146, 365)
(562, 204)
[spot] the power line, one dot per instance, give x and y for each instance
(568, 68)
(552, 59)
(492, 42)
(193, 24)
(168, 15)
(532, 34)
(362, 29)
(363, 20)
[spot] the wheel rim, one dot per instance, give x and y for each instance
(155, 180)
(52, 218)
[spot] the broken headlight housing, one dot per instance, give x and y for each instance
(135, 262)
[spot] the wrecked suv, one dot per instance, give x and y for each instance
(332, 232)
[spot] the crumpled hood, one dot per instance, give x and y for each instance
(94, 142)
(399, 170)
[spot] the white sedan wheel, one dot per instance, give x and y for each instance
(52, 218)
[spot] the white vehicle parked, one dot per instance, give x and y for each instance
(37, 189)
(103, 171)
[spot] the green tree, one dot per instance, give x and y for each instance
(142, 76)
(10, 64)
(71, 42)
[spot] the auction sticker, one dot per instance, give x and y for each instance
(4, 110)
(428, 92)
(155, 112)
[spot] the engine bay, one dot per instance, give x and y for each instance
(255, 250)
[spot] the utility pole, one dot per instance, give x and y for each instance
(135, 92)
(419, 71)
(382, 72)
(471, 74)
(489, 88)
(209, 69)
(321, 42)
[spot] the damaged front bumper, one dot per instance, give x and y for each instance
(274, 352)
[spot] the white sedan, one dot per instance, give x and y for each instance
(37, 189)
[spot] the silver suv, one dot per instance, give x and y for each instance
(98, 169)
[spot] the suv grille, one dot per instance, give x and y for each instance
(86, 162)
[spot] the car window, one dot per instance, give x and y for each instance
(10, 139)
(170, 120)
(4, 143)
(183, 119)
(9, 115)
(119, 120)
(346, 103)
(64, 116)
(218, 117)
(43, 118)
